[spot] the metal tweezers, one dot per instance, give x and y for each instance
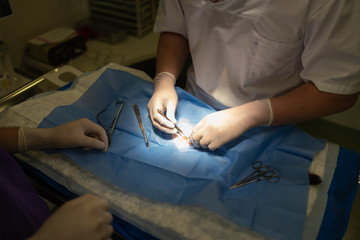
(179, 131)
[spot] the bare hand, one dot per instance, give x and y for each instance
(86, 217)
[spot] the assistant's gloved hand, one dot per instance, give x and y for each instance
(165, 99)
(79, 133)
(85, 217)
(221, 127)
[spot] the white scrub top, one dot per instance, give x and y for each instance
(243, 50)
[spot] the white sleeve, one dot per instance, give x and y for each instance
(331, 57)
(170, 18)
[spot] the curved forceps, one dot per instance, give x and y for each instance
(261, 173)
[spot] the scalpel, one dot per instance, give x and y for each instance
(137, 113)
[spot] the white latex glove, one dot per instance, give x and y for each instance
(221, 127)
(165, 99)
(86, 217)
(79, 133)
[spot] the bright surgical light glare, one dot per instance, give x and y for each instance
(180, 142)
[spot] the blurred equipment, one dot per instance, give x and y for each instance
(5, 9)
(136, 17)
(20, 88)
(56, 46)
(109, 33)
(9, 80)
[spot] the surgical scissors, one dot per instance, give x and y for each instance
(261, 172)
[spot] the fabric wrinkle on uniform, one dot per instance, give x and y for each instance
(265, 56)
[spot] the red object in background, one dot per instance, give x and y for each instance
(86, 32)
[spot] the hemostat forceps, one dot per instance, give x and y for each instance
(261, 173)
(112, 124)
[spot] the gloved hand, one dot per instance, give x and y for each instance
(221, 127)
(85, 217)
(79, 133)
(165, 99)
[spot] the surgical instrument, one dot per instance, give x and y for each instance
(137, 113)
(261, 173)
(113, 123)
(179, 131)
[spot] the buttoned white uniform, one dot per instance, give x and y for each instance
(243, 50)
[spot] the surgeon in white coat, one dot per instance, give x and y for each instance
(258, 62)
